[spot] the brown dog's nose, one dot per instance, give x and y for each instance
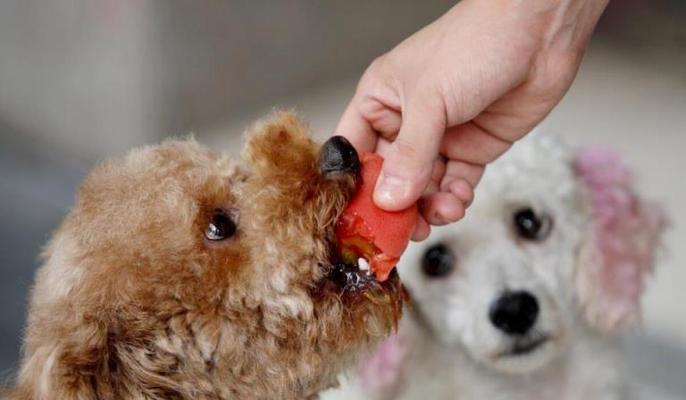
(338, 157)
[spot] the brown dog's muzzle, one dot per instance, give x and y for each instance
(338, 157)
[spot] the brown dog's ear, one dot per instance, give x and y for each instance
(620, 250)
(279, 147)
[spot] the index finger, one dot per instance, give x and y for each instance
(354, 127)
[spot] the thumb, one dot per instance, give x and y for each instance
(410, 158)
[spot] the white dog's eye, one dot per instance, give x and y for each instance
(438, 261)
(532, 226)
(221, 226)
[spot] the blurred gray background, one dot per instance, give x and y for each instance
(84, 79)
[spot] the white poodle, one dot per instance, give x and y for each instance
(526, 297)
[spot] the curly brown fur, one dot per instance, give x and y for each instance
(134, 303)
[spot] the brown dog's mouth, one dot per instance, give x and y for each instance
(349, 277)
(359, 292)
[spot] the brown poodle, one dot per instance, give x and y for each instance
(183, 274)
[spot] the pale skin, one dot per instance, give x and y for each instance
(457, 94)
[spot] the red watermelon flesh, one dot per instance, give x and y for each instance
(367, 231)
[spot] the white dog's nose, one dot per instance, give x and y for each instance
(514, 313)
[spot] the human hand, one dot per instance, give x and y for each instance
(455, 95)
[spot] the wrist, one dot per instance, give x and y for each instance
(564, 23)
(567, 24)
(573, 23)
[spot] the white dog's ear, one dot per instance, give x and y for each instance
(381, 375)
(620, 250)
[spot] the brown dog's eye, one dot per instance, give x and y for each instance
(532, 226)
(221, 226)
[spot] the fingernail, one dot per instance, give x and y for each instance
(390, 190)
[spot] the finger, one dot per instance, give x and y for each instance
(473, 144)
(464, 192)
(383, 119)
(409, 161)
(437, 175)
(461, 170)
(354, 127)
(421, 230)
(383, 147)
(442, 208)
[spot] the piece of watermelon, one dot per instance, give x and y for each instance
(367, 231)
